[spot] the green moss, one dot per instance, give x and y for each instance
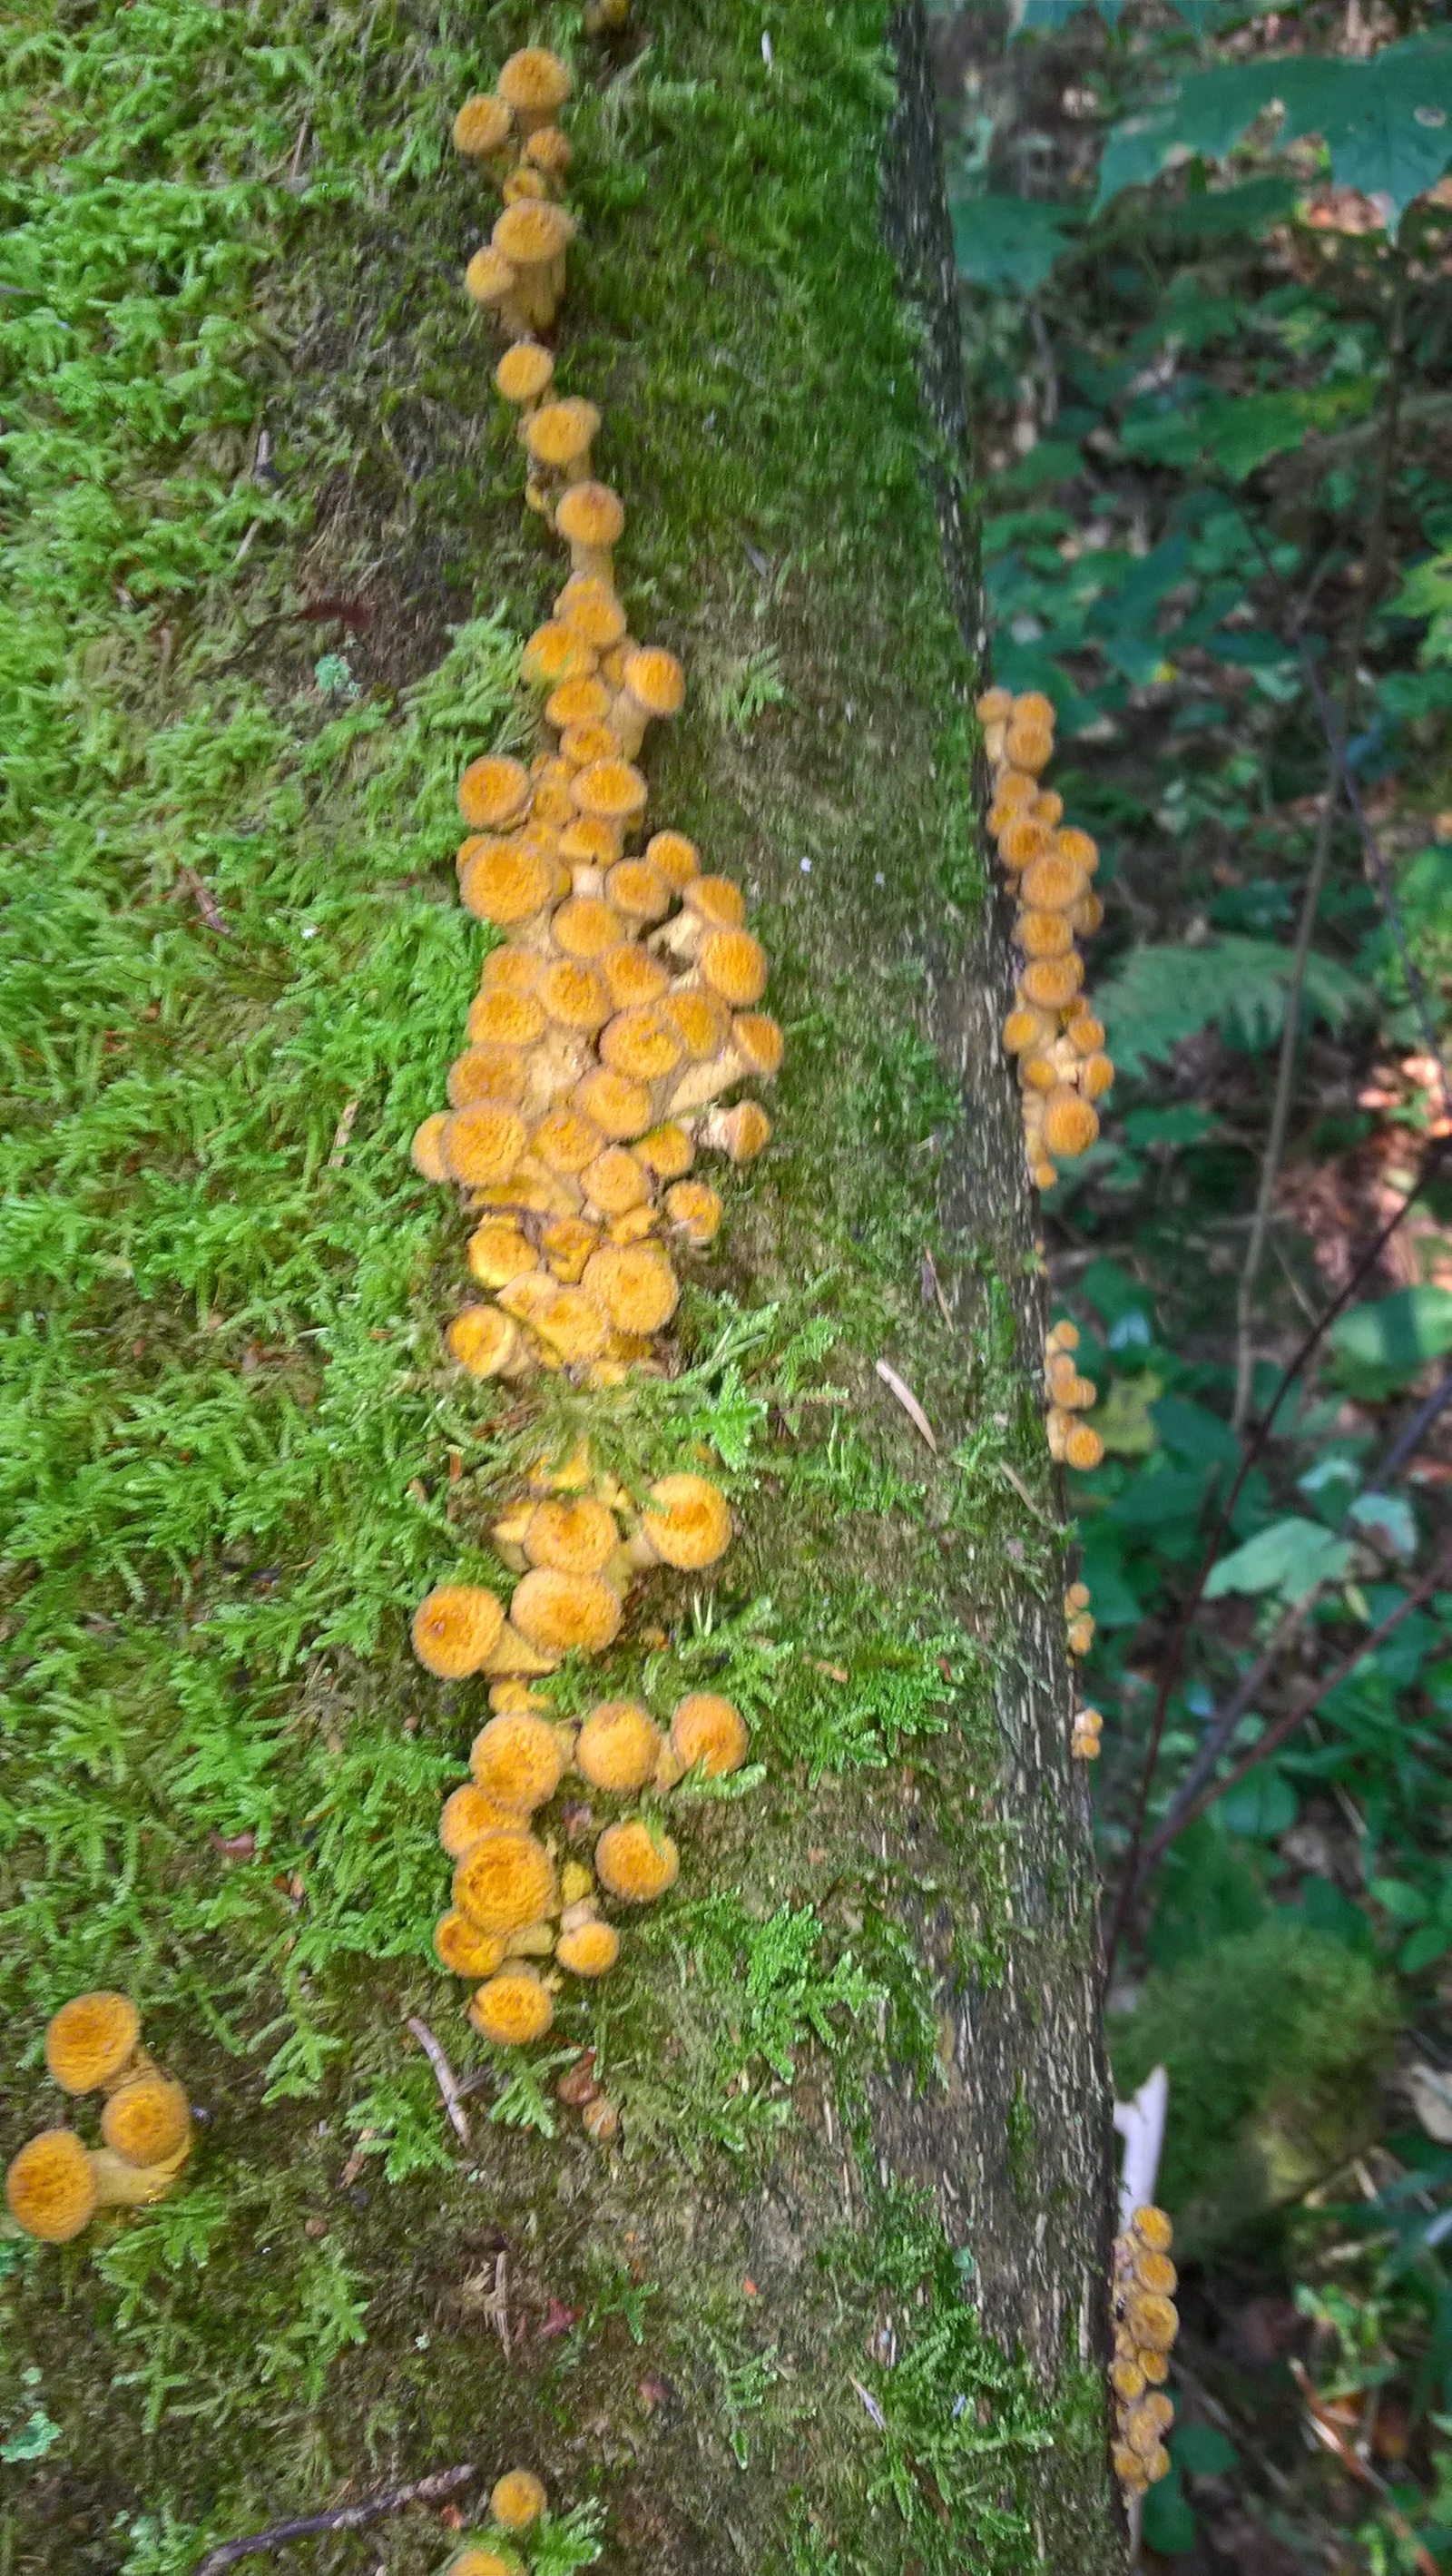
(233, 975)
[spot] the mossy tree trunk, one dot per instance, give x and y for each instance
(833, 2302)
(768, 324)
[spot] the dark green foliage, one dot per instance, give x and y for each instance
(1272, 2039)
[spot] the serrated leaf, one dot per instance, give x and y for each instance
(1162, 995)
(1008, 241)
(1386, 124)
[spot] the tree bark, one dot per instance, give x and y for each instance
(832, 2300)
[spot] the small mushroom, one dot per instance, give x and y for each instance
(591, 519)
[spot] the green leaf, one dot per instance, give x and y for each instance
(1386, 124)
(1200, 2451)
(1292, 1557)
(1398, 1897)
(1169, 2524)
(1239, 432)
(1260, 1806)
(1216, 214)
(1162, 995)
(1008, 241)
(1193, 1431)
(1207, 114)
(1432, 1942)
(1384, 1345)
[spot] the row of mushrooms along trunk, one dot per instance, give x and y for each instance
(56, 2184)
(615, 1014)
(1058, 1045)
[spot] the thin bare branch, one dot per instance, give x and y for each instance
(345, 2517)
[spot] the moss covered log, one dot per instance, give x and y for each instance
(831, 2301)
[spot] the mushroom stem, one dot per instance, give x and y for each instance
(120, 2185)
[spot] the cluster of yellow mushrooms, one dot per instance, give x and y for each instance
(516, 2502)
(56, 2183)
(615, 1012)
(1062, 1066)
(1145, 2326)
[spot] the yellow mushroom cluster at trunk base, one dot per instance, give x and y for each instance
(1145, 2326)
(56, 2183)
(1051, 1031)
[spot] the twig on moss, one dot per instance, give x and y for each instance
(445, 2074)
(344, 2517)
(898, 1387)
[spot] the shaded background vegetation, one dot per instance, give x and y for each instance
(1208, 337)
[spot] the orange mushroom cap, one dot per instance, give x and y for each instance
(696, 1209)
(709, 1730)
(677, 858)
(50, 2189)
(505, 1880)
(634, 1284)
(424, 1153)
(493, 1073)
(492, 792)
(655, 679)
(636, 1862)
(482, 127)
(524, 372)
(466, 1813)
(642, 1043)
(533, 234)
(585, 928)
(588, 1949)
(590, 514)
(559, 1613)
(513, 2007)
(535, 83)
(90, 2039)
(615, 1103)
(638, 889)
(687, 1521)
(454, 1628)
(618, 1745)
(462, 1950)
(733, 964)
(574, 1533)
(516, 1760)
(613, 789)
(484, 1341)
(517, 2499)
(559, 433)
(146, 2121)
(482, 1144)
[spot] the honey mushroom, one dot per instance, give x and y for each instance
(608, 1027)
(55, 2184)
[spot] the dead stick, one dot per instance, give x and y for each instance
(1333, 2440)
(345, 2517)
(445, 2073)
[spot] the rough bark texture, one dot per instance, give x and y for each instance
(833, 2302)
